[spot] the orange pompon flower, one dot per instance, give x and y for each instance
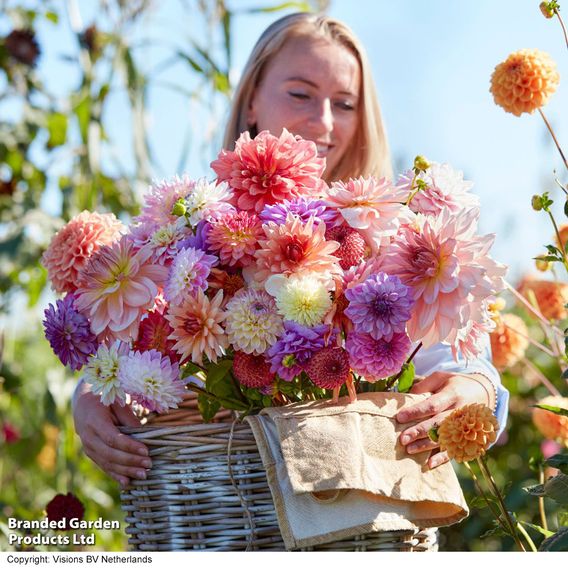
(467, 432)
(525, 81)
(72, 247)
(551, 425)
(197, 328)
(550, 296)
(509, 341)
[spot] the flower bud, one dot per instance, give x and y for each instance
(421, 163)
(547, 9)
(541, 264)
(536, 202)
(179, 208)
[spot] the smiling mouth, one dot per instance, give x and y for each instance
(323, 149)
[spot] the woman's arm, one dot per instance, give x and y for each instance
(119, 455)
(452, 385)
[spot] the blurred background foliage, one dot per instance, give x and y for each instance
(58, 149)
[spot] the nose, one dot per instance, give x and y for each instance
(322, 117)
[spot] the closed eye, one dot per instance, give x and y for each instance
(345, 105)
(301, 96)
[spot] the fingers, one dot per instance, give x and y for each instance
(125, 416)
(428, 407)
(419, 432)
(121, 464)
(432, 383)
(436, 460)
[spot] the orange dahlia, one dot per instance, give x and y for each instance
(551, 297)
(75, 243)
(197, 328)
(525, 81)
(551, 425)
(509, 341)
(467, 432)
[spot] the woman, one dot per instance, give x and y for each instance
(310, 75)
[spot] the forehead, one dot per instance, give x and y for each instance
(326, 63)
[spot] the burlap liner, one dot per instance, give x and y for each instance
(337, 471)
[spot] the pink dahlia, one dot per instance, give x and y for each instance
(448, 268)
(233, 237)
(252, 371)
(295, 247)
(269, 169)
(161, 198)
(153, 333)
(445, 189)
(373, 207)
(377, 359)
(72, 247)
(116, 288)
(328, 368)
(197, 328)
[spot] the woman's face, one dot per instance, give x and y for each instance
(311, 88)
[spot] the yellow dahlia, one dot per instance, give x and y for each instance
(197, 328)
(509, 341)
(467, 432)
(525, 81)
(551, 425)
(551, 297)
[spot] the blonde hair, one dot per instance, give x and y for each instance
(369, 153)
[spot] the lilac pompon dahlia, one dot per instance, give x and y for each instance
(302, 207)
(188, 274)
(377, 358)
(379, 306)
(152, 380)
(69, 333)
(289, 355)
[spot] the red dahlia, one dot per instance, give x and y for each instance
(329, 368)
(252, 371)
(65, 507)
(352, 247)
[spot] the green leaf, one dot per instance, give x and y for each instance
(556, 543)
(566, 208)
(535, 490)
(555, 409)
(539, 530)
(478, 502)
(53, 17)
(496, 531)
(83, 113)
(194, 64)
(557, 488)
(221, 82)
(558, 461)
(406, 379)
(57, 128)
(207, 407)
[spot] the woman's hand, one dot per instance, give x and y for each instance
(448, 391)
(117, 454)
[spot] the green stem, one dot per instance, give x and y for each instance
(553, 137)
(529, 540)
(541, 501)
(560, 243)
(491, 505)
(487, 474)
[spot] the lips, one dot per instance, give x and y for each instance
(323, 149)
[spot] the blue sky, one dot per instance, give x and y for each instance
(432, 60)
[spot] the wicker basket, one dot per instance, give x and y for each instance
(207, 490)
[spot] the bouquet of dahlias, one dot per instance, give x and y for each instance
(267, 286)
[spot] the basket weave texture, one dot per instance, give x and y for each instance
(207, 490)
